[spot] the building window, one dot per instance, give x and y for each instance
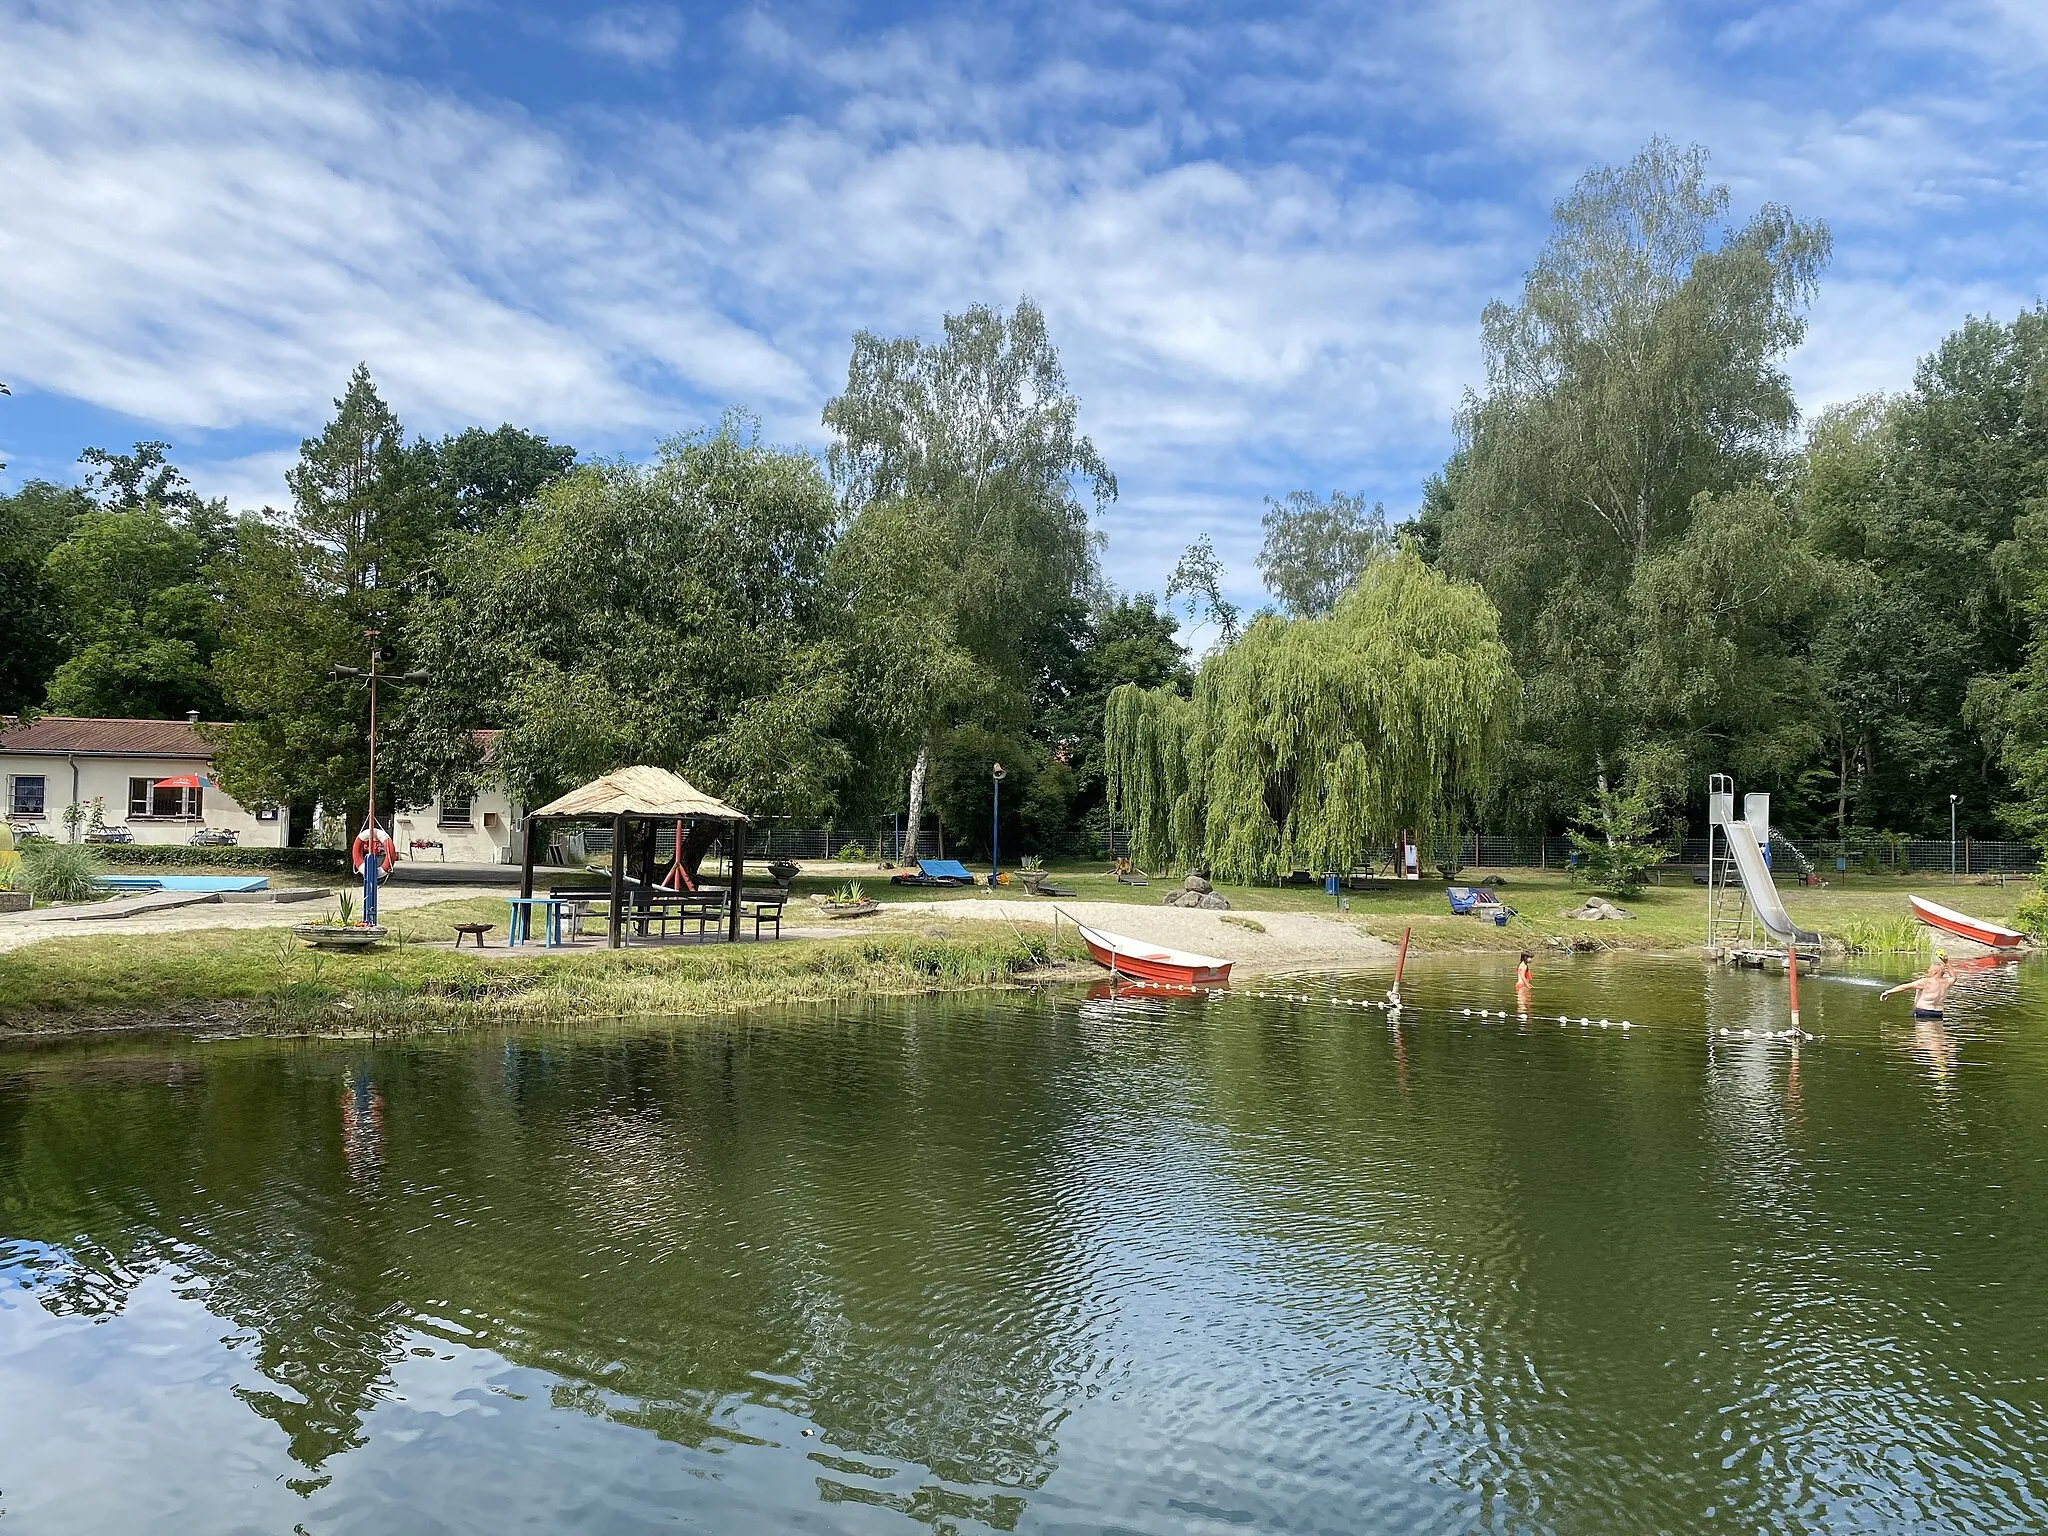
(25, 794)
(146, 799)
(454, 811)
(266, 813)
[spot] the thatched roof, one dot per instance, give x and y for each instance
(640, 791)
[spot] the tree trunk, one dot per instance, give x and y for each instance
(918, 770)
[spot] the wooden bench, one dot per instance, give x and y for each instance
(765, 906)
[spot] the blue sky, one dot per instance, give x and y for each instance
(1262, 235)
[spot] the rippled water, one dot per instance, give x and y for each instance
(1050, 1264)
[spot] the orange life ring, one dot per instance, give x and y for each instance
(387, 850)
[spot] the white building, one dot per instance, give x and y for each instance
(116, 767)
(478, 828)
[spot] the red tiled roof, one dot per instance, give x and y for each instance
(60, 734)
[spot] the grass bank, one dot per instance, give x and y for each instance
(265, 979)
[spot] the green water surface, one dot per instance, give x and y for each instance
(1049, 1263)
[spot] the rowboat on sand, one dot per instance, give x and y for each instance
(1963, 926)
(1141, 961)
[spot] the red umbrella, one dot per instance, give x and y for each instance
(182, 781)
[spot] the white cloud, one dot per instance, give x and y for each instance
(207, 226)
(643, 36)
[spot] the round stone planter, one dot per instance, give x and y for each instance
(327, 936)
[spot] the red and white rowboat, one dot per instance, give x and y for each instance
(1964, 926)
(1150, 962)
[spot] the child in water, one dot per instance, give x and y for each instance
(1522, 988)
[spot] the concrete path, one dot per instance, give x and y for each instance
(18, 929)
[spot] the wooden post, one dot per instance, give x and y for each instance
(616, 926)
(737, 830)
(1792, 971)
(526, 860)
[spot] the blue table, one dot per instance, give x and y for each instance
(519, 928)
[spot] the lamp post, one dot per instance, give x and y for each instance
(995, 826)
(1952, 838)
(372, 861)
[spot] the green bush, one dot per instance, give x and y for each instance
(2032, 915)
(61, 871)
(322, 861)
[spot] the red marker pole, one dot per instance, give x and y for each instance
(1792, 972)
(1400, 961)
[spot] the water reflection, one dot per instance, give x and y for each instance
(1138, 1263)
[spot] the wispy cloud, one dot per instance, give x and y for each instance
(1262, 239)
(644, 36)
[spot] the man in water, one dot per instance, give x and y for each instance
(1929, 991)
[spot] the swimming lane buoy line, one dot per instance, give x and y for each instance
(1402, 1010)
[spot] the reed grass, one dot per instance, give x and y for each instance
(266, 979)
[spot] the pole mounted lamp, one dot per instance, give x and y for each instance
(995, 825)
(372, 855)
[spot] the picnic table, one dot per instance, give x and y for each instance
(519, 928)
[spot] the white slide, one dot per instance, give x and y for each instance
(1741, 839)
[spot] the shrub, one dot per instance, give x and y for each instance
(1616, 842)
(2032, 915)
(61, 871)
(853, 853)
(324, 861)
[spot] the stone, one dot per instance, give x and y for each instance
(1196, 884)
(1211, 901)
(1599, 910)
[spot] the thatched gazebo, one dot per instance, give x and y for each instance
(633, 801)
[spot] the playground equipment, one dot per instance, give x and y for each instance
(1741, 896)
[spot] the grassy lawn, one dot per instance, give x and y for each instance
(1667, 917)
(265, 977)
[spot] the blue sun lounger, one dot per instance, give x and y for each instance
(936, 872)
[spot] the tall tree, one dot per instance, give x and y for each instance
(676, 614)
(1315, 550)
(1309, 741)
(301, 594)
(978, 438)
(133, 585)
(478, 476)
(33, 521)
(1639, 373)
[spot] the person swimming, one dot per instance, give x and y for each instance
(1930, 990)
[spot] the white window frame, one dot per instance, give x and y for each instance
(14, 814)
(444, 810)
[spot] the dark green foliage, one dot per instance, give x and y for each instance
(476, 477)
(1614, 492)
(33, 521)
(322, 861)
(674, 615)
(140, 617)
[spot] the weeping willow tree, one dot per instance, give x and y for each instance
(1309, 741)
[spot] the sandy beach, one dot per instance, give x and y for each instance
(1282, 941)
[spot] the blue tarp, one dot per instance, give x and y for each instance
(945, 869)
(185, 882)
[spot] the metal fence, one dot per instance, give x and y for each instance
(1972, 856)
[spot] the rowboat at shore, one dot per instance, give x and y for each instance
(1152, 962)
(1963, 926)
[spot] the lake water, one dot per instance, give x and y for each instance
(1047, 1263)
